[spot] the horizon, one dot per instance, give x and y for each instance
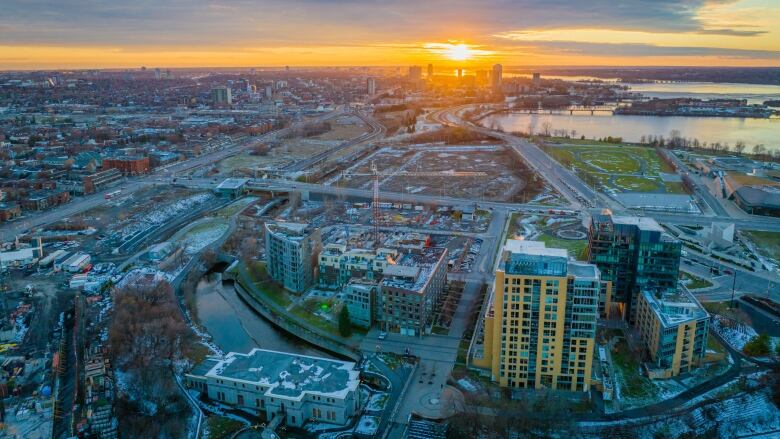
(43, 35)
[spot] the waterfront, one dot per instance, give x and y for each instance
(754, 93)
(632, 128)
(235, 327)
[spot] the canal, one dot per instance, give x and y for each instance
(235, 327)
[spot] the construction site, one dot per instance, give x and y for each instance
(478, 172)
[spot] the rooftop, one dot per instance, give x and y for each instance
(536, 248)
(285, 375)
(641, 222)
(412, 271)
(291, 230)
(675, 307)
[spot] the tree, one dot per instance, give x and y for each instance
(147, 337)
(739, 147)
(345, 326)
(758, 346)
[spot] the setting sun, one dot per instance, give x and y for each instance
(458, 52)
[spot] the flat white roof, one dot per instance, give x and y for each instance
(643, 222)
(538, 248)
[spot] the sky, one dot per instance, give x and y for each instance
(73, 34)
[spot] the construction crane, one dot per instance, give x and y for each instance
(375, 173)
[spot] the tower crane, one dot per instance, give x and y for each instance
(375, 174)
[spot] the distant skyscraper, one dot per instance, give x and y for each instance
(371, 86)
(430, 71)
(537, 80)
(482, 77)
(221, 96)
(415, 73)
(497, 76)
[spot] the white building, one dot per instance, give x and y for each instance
(301, 388)
(22, 255)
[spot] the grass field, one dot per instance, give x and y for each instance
(221, 427)
(768, 242)
(634, 168)
(260, 278)
(637, 184)
(633, 383)
(696, 282)
(577, 248)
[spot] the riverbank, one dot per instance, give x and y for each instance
(632, 128)
(271, 310)
(235, 326)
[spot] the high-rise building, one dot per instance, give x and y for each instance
(291, 254)
(371, 86)
(482, 77)
(496, 77)
(430, 71)
(540, 329)
(415, 73)
(221, 96)
(673, 328)
(537, 80)
(636, 255)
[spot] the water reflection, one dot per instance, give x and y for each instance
(235, 327)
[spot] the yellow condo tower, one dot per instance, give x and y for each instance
(540, 329)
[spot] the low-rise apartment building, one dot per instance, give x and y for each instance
(338, 264)
(409, 290)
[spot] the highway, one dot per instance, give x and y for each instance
(750, 222)
(564, 181)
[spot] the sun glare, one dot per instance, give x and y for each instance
(458, 52)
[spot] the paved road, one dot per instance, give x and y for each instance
(376, 130)
(577, 192)
(750, 222)
(438, 353)
(162, 175)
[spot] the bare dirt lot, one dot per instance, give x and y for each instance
(506, 179)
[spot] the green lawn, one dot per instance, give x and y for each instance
(257, 272)
(306, 312)
(634, 384)
(675, 187)
(611, 161)
(221, 427)
(577, 248)
(638, 184)
(597, 161)
(695, 281)
(714, 345)
(768, 242)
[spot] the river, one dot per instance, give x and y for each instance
(235, 327)
(631, 128)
